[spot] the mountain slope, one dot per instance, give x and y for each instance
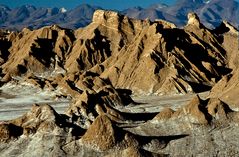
(211, 13)
(122, 50)
(217, 10)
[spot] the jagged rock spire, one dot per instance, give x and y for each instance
(193, 19)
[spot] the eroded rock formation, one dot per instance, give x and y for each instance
(101, 65)
(122, 50)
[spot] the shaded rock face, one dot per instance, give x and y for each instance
(37, 51)
(100, 66)
(6, 42)
(9, 131)
(226, 89)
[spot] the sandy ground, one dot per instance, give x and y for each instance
(13, 110)
(15, 102)
(155, 104)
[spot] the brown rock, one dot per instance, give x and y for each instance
(100, 135)
(218, 109)
(42, 118)
(195, 111)
(129, 49)
(193, 19)
(165, 114)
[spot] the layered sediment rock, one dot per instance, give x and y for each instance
(123, 50)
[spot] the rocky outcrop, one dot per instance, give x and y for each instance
(122, 50)
(198, 111)
(98, 98)
(226, 89)
(37, 51)
(193, 19)
(156, 50)
(101, 134)
(200, 121)
(41, 118)
(229, 35)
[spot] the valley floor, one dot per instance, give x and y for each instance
(13, 106)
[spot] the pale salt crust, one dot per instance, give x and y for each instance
(23, 95)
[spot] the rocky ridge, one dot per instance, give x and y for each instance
(100, 66)
(121, 50)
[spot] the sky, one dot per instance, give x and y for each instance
(69, 4)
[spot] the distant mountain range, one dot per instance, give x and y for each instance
(33, 17)
(211, 12)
